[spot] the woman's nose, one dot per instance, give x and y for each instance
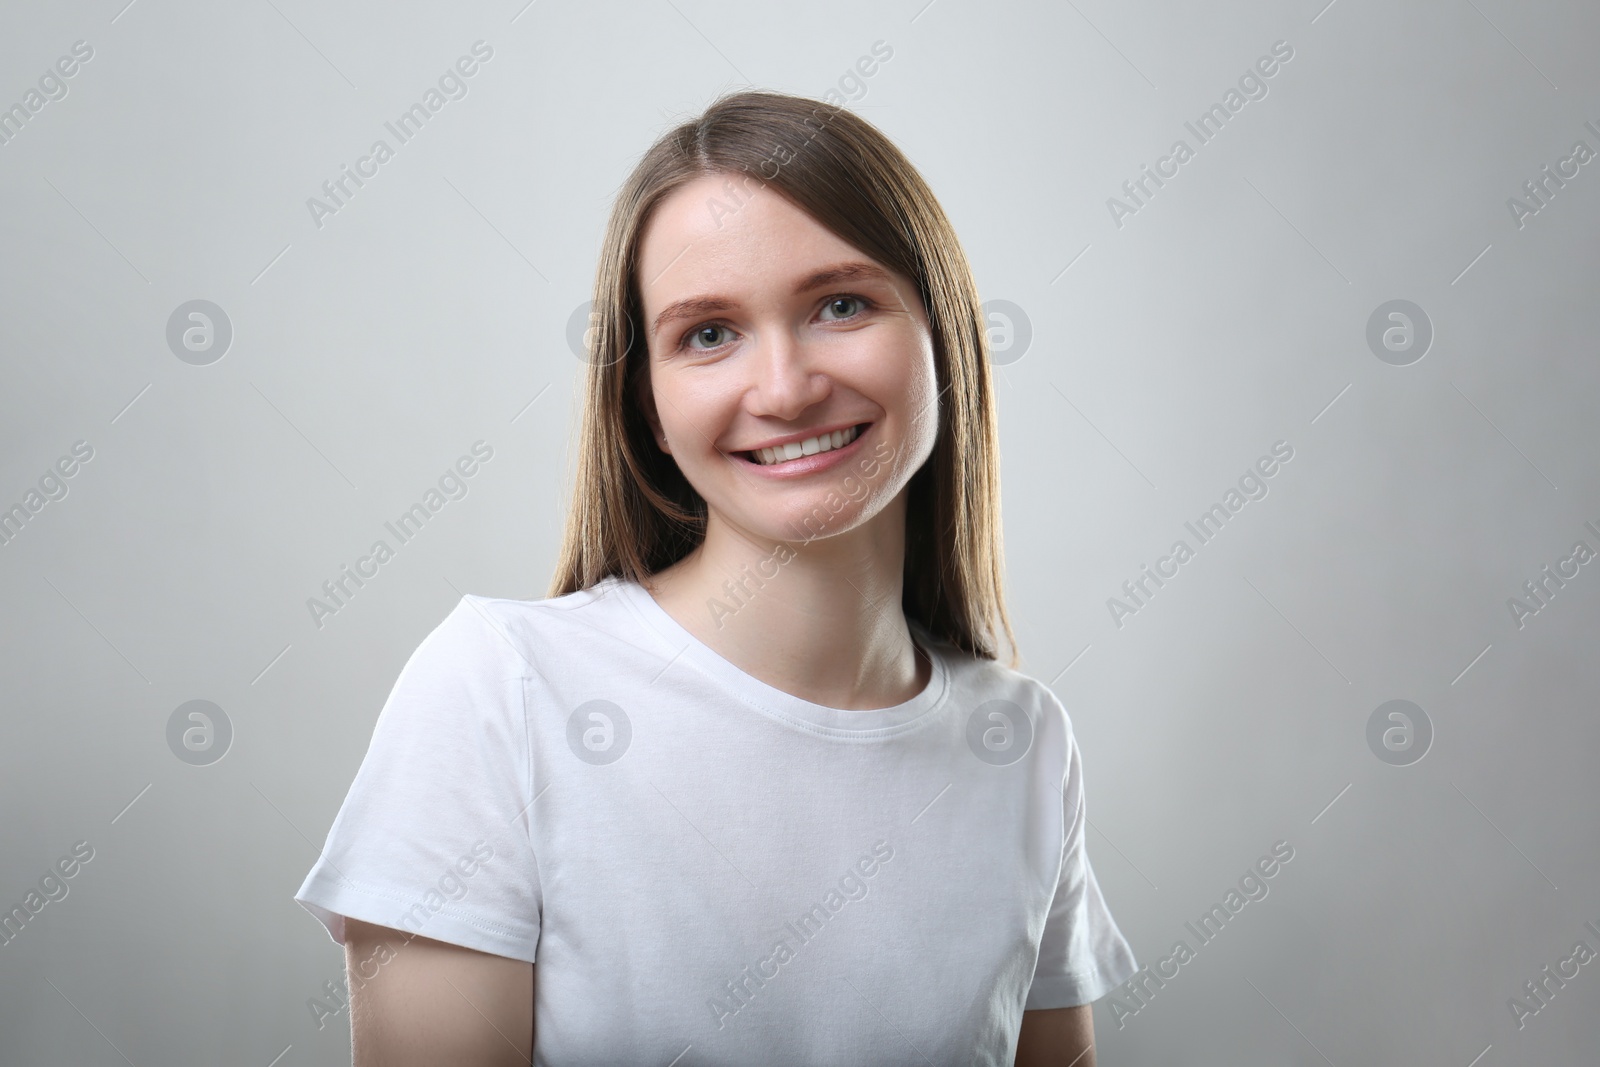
(787, 378)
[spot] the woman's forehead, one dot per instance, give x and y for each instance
(766, 241)
(723, 212)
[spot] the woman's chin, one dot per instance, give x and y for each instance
(809, 520)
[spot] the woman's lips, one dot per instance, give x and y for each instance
(804, 465)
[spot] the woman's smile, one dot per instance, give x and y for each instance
(774, 343)
(806, 455)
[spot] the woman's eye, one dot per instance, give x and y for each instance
(707, 334)
(700, 334)
(833, 305)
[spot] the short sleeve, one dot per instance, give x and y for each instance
(432, 837)
(1082, 954)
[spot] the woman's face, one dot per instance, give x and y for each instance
(764, 328)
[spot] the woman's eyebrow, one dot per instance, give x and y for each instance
(705, 305)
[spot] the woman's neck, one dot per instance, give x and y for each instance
(820, 620)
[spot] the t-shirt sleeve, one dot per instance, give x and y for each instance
(432, 838)
(1082, 954)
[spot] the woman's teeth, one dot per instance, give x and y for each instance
(809, 447)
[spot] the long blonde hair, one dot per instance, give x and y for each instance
(632, 512)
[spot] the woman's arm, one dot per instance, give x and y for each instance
(1056, 1037)
(416, 1002)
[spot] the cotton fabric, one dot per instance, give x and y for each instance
(707, 870)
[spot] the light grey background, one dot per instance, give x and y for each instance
(1167, 355)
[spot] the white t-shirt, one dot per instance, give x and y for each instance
(708, 870)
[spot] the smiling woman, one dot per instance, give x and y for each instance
(844, 208)
(787, 405)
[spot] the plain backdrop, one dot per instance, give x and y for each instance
(1146, 359)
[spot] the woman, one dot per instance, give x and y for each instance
(750, 785)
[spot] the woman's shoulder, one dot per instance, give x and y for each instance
(980, 674)
(981, 683)
(507, 634)
(510, 609)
